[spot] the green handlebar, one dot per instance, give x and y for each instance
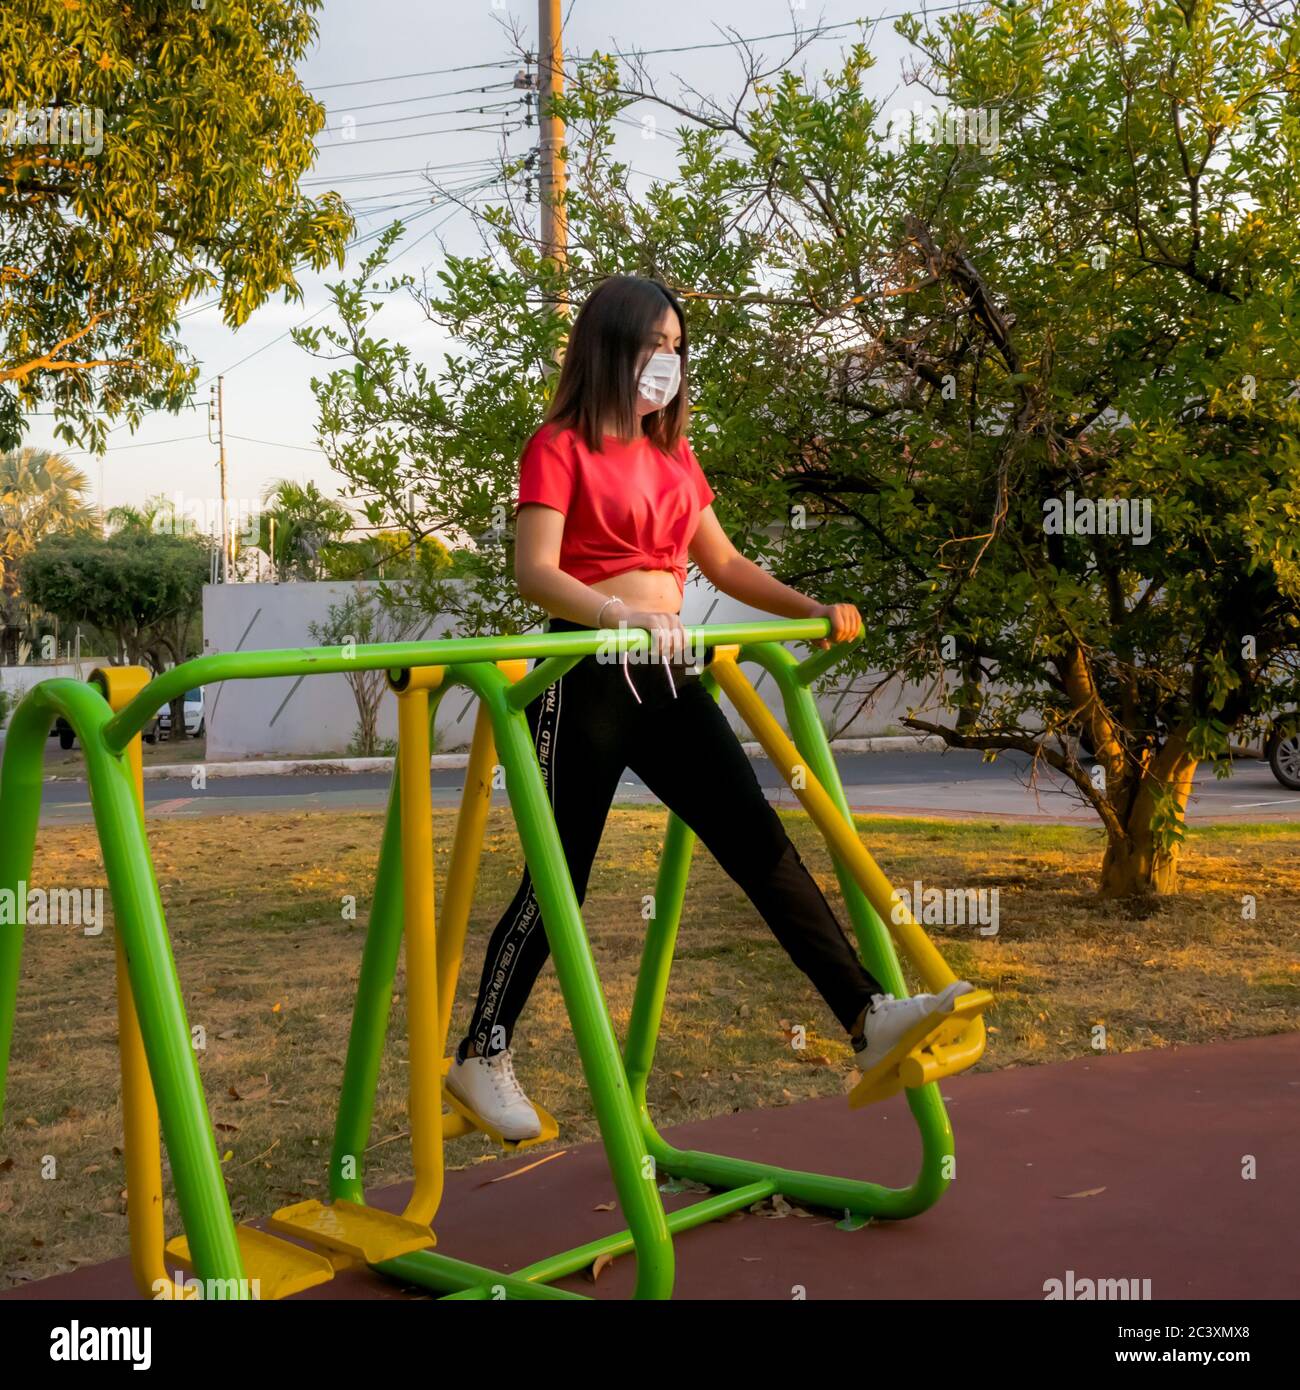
(447, 651)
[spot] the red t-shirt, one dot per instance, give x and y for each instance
(629, 507)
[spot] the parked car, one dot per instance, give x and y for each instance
(1283, 750)
(68, 739)
(195, 726)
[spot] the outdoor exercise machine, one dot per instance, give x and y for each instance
(310, 1241)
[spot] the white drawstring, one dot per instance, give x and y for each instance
(627, 676)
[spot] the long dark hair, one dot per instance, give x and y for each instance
(598, 381)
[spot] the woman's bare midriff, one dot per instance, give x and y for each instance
(653, 591)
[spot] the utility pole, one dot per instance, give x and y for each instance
(221, 463)
(552, 180)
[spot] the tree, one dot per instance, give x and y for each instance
(40, 492)
(432, 453)
(142, 587)
(151, 153)
(368, 615)
(387, 555)
(950, 375)
(297, 526)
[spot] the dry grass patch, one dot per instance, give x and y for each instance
(269, 966)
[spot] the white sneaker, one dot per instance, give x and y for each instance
(889, 1018)
(489, 1087)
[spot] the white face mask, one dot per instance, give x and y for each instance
(660, 379)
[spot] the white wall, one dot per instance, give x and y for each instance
(293, 717)
(18, 680)
(288, 716)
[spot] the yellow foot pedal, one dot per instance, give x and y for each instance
(276, 1268)
(550, 1126)
(348, 1228)
(936, 1046)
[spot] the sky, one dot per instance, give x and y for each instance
(395, 110)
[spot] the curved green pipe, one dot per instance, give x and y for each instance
(138, 920)
(447, 651)
(866, 1198)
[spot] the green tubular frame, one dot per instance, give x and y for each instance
(638, 1156)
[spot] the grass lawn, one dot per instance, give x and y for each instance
(269, 967)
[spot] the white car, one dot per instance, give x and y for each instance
(195, 726)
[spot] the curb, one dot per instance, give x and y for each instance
(342, 767)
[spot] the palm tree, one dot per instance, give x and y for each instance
(40, 492)
(153, 514)
(298, 521)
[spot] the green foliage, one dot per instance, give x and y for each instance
(299, 528)
(431, 452)
(40, 492)
(206, 132)
(142, 587)
(909, 348)
(387, 555)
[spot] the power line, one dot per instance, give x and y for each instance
(487, 109)
(404, 76)
(347, 246)
(393, 173)
(428, 96)
(329, 303)
(500, 126)
(148, 444)
(274, 444)
(822, 31)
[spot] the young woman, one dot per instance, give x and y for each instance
(611, 503)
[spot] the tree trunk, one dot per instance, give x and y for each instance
(1140, 860)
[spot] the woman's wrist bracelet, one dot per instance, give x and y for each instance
(600, 612)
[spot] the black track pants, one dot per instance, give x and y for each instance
(587, 728)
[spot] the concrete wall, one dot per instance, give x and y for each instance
(18, 680)
(287, 717)
(317, 715)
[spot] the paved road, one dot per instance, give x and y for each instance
(954, 784)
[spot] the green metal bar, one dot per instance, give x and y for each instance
(874, 940)
(718, 1170)
(657, 958)
(447, 651)
(431, 1270)
(617, 1086)
(138, 916)
(567, 1262)
(821, 661)
(620, 1128)
(809, 734)
(542, 677)
(370, 1013)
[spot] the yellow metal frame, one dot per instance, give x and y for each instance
(346, 1231)
(943, 1044)
(141, 1134)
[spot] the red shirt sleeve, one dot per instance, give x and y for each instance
(546, 472)
(703, 491)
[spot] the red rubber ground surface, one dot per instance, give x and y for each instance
(1164, 1134)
